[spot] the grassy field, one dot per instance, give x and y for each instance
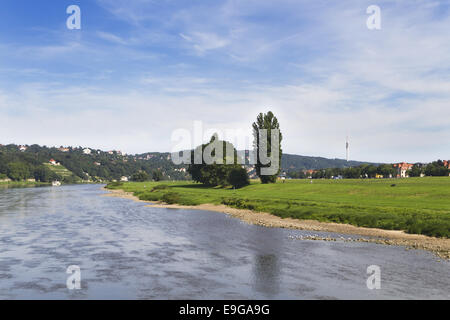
(415, 205)
(59, 170)
(22, 184)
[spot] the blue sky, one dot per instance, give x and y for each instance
(140, 69)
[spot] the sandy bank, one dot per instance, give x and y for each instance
(439, 246)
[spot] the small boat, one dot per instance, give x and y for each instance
(56, 183)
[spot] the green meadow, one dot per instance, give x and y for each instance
(59, 170)
(22, 184)
(415, 205)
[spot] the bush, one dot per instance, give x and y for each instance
(238, 178)
(160, 187)
(114, 185)
(147, 196)
(171, 198)
(238, 203)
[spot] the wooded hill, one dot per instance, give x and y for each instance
(20, 163)
(292, 162)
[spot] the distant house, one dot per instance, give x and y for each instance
(97, 163)
(23, 148)
(447, 163)
(62, 149)
(87, 151)
(402, 169)
(309, 173)
(54, 163)
(124, 179)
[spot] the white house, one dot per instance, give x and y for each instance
(87, 151)
(124, 179)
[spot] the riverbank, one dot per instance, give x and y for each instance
(439, 246)
(23, 184)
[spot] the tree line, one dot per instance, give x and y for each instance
(434, 169)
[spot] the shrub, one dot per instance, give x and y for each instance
(171, 197)
(147, 196)
(114, 185)
(238, 178)
(160, 187)
(238, 203)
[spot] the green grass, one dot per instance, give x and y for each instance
(415, 205)
(59, 170)
(21, 183)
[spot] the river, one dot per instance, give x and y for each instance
(126, 250)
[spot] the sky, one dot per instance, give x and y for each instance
(138, 70)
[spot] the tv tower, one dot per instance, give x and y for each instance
(347, 146)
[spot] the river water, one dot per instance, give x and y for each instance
(126, 250)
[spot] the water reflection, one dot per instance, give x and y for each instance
(266, 271)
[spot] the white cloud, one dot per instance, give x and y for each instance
(111, 37)
(203, 42)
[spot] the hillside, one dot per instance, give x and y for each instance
(59, 170)
(76, 164)
(292, 162)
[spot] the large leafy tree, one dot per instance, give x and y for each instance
(214, 174)
(268, 122)
(140, 176)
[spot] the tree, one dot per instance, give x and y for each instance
(416, 171)
(352, 173)
(44, 174)
(386, 170)
(18, 171)
(238, 178)
(216, 173)
(436, 169)
(140, 176)
(266, 122)
(157, 175)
